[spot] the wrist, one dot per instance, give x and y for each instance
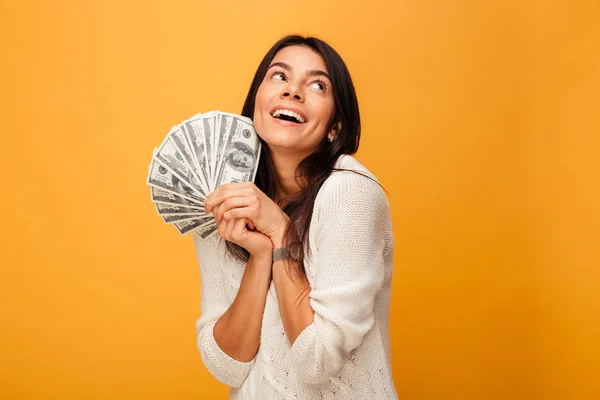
(278, 237)
(263, 254)
(277, 241)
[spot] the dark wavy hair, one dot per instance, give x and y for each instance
(312, 172)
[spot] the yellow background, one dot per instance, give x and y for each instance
(481, 119)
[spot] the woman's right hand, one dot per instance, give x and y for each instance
(236, 231)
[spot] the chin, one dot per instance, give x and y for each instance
(282, 140)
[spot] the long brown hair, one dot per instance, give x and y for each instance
(312, 172)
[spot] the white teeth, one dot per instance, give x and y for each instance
(289, 113)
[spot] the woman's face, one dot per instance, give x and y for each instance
(294, 104)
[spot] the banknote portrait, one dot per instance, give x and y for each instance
(240, 157)
(182, 188)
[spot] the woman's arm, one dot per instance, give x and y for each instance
(229, 330)
(352, 228)
(292, 296)
(245, 200)
(237, 332)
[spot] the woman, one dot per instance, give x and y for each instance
(296, 286)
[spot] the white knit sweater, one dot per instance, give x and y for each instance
(345, 352)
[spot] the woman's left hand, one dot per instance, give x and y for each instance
(245, 200)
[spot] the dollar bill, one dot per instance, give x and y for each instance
(160, 177)
(166, 209)
(169, 219)
(206, 230)
(240, 157)
(197, 156)
(178, 138)
(170, 157)
(208, 124)
(183, 127)
(224, 126)
(195, 137)
(162, 196)
(185, 227)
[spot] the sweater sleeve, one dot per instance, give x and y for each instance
(352, 223)
(214, 303)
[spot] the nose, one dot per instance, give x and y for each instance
(292, 92)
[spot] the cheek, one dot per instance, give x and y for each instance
(260, 103)
(263, 95)
(257, 104)
(259, 119)
(326, 112)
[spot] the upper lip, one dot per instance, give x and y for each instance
(294, 109)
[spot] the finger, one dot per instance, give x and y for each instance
(211, 200)
(228, 228)
(250, 224)
(236, 185)
(222, 229)
(220, 209)
(248, 213)
(226, 191)
(235, 230)
(217, 213)
(238, 229)
(235, 202)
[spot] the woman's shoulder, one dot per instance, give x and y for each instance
(348, 170)
(350, 180)
(348, 162)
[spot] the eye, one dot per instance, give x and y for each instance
(319, 85)
(278, 76)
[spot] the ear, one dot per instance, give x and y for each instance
(333, 133)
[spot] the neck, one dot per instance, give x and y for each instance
(285, 164)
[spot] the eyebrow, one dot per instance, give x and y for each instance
(288, 67)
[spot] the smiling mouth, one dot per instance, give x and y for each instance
(288, 115)
(288, 118)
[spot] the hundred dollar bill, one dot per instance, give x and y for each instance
(208, 125)
(170, 157)
(207, 229)
(240, 157)
(195, 136)
(169, 219)
(166, 209)
(162, 196)
(178, 137)
(223, 127)
(185, 227)
(227, 123)
(160, 177)
(224, 123)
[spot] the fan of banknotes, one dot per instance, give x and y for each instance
(197, 156)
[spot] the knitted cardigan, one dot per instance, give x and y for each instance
(345, 352)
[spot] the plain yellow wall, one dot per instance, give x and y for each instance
(481, 119)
